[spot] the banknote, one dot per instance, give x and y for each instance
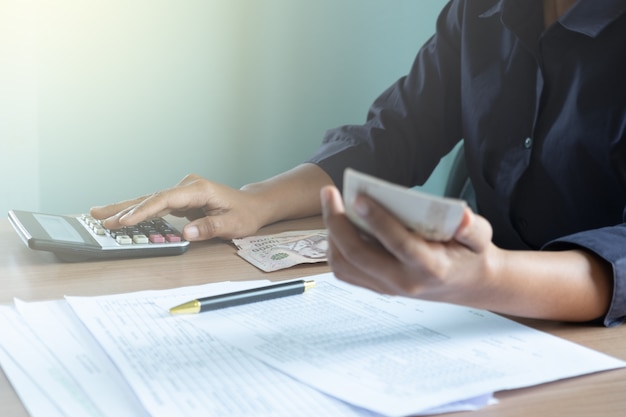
(261, 242)
(284, 250)
(435, 218)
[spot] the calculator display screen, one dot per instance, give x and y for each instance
(58, 228)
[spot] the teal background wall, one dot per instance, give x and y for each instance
(106, 100)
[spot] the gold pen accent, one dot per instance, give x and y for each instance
(190, 307)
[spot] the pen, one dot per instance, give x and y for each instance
(243, 297)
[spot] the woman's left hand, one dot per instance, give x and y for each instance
(397, 261)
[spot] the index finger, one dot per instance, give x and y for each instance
(109, 210)
(181, 198)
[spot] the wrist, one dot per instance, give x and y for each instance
(290, 195)
(260, 203)
(493, 291)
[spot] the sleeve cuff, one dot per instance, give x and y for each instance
(609, 244)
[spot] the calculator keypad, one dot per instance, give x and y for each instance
(154, 231)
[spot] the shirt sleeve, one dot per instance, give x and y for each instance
(412, 124)
(607, 243)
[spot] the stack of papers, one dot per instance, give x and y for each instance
(335, 350)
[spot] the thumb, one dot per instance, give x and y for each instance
(200, 229)
(475, 232)
(331, 201)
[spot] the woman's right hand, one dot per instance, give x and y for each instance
(214, 210)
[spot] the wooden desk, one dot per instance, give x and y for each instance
(32, 275)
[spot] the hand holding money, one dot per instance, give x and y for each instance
(284, 250)
(394, 258)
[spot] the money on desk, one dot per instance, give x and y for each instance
(284, 250)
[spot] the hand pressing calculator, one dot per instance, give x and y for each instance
(82, 237)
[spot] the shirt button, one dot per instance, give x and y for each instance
(528, 143)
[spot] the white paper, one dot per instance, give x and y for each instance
(393, 355)
(177, 369)
(63, 394)
(33, 398)
(70, 343)
(387, 354)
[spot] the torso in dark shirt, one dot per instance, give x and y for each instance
(542, 113)
(544, 138)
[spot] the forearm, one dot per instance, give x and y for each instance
(572, 285)
(292, 194)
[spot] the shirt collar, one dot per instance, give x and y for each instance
(589, 17)
(522, 17)
(493, 10)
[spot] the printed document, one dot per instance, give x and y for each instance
(178, 370)
(396, 356)
(335, 350)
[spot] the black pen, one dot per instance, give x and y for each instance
(243, 297)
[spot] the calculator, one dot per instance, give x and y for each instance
(79, 238)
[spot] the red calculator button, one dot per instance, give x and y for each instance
(172, 237)
(155, 238)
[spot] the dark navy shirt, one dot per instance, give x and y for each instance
(542, 113)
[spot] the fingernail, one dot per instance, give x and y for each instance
(361, 207)
(192, 232)
(126, 215)
(325, 196)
